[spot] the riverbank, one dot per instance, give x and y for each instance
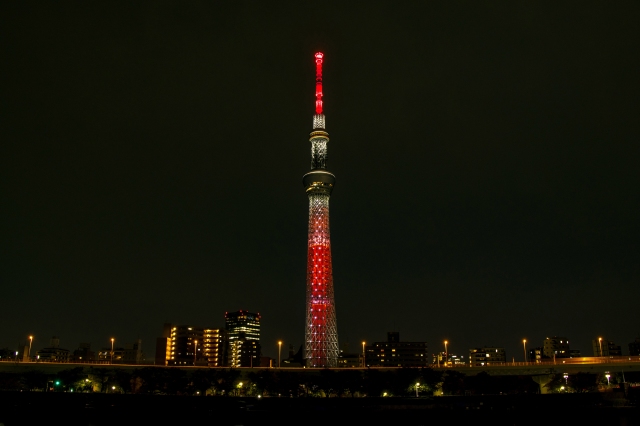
(83, 409)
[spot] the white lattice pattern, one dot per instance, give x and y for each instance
(319, 121)
(321, 347)
(319, 153)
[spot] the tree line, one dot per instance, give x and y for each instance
(402, 382)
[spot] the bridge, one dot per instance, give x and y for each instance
(565, 365)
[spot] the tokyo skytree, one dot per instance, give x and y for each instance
(321, 334)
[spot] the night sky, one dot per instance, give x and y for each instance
(486, 156)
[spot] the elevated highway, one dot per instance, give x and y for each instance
(568, 365)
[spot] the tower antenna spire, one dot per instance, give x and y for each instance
(319, 56)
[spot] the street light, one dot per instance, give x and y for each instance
(524, 345)
(279, 351)
(195, 351)
(30, 343)
(417, 387)
(112, 340)
(600, 342)
(608, 376)
(364, 363)
(446, 354)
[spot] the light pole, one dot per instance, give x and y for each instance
(446, 354)
(195, 352)
(608, 376)
(30, 343)
(364, 361)
(279, 351)
(600, 342)
(112, 340)
(524, 345)
(417, 387)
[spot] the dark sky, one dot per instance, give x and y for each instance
(486, 156)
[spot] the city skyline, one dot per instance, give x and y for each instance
(544, 347)
(486, 157)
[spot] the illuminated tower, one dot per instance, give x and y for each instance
(321, 334)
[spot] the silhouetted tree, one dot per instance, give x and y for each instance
(376, 382)
(325, 381)
(430, 380)
(263, 380)
(122, 379)
(288, 383)
(148, 380)
(583, 382)
(5, 353)
(347, 382)
(100, 376)
(202, 380)
(453, 383)
(515, 385)
(226, 380)
(70, 378)
(558, 384)
(33, 380)
(309, 385)
(10, 381)
(404, 381)
(480, 384)
(175, 381)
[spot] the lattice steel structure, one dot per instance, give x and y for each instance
(321, 335)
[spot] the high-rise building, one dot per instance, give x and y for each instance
(163, 345)
(445, 359)
(83, 353)
(127, 354)
(321, 333)
(243, 330)
(536, 355)
(244, 353)
(349, 360)
(556, 347)
(242, 324)
(184, 341)
(634, 347)
(480, 357)
(192, 345)
(215, 346)
(605, 348)
(133, 353)
(394, 353)
(54, 352)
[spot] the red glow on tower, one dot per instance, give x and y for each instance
(319, 57)
(321, 335)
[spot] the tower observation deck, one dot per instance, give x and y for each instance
(321, 334)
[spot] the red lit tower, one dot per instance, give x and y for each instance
(321, 334)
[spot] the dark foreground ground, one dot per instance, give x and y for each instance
(35, 408)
